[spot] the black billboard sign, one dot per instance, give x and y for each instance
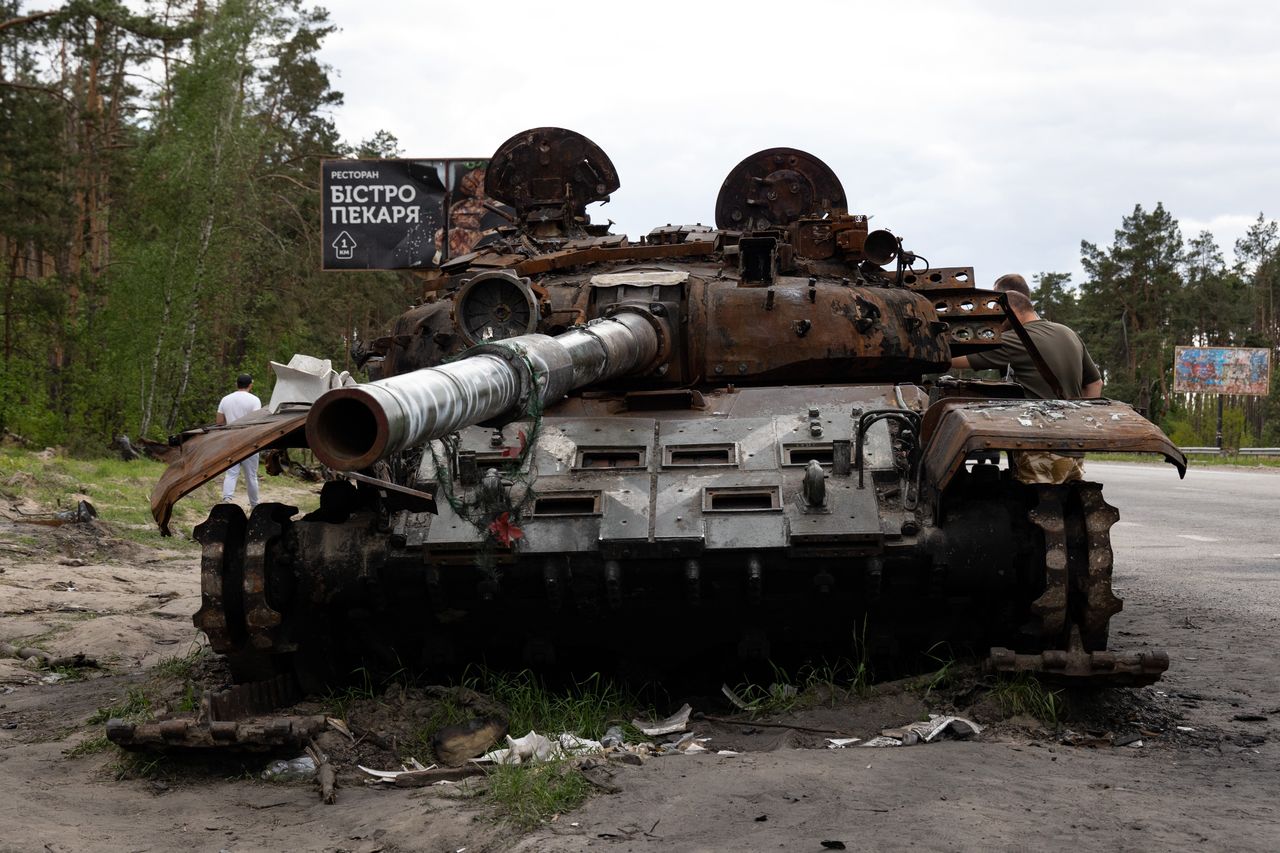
(382, 214)
(403, 214)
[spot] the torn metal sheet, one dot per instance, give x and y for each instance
(926, 731)
(303, 380)
(212, 450)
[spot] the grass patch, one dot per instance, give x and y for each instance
(121, 491)
(88, 746)
(586, 708)
(136, 708)
(529, 794)
(182, 666)
(339, 702)
(1024, 694)
(136, 765)
(1194, 460)
(945, 675)
(813, 684)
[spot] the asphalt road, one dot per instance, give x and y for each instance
(1219, 518)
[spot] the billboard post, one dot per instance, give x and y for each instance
(1221, 371)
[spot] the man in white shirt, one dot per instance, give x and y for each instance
(233, 407)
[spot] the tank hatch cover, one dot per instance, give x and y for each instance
(550, 168)
(776, 187)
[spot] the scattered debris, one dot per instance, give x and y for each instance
(534, 747)
(677, 722)
(39, 658)
(841, 742)
(326, 776)
(454, 745)
(300, 769)
(599, 775)
(926, 731)
(83, 512)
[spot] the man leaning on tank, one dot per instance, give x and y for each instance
(1068, 360)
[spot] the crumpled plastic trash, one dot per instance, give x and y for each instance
(926, 731)
(677, 722)
(613, 738)
(574, 745)
(841, 742)
(301, 769)
(535, 747)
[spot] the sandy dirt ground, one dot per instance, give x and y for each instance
(1206, 776)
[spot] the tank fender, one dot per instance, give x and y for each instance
(952, 429)
(212, 450)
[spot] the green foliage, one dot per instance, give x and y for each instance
(529, 794)
(156, 242)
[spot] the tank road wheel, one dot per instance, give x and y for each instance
(221, 537)
(247, 586)
(1078, 560)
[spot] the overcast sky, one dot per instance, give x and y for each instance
(990, 134)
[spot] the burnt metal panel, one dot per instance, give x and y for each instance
(567, 534)
(626, 509)
(851, 514)
(754, 438)
(952, 429)
(756, 532)
(561, 439)
(210, 452)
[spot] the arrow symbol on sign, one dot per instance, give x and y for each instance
(344, 247)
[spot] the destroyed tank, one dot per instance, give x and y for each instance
(721, 442)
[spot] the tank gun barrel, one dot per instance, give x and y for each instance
(352, 428)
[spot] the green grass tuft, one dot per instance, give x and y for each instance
(88, 746)
(136, 707)
(586, 708)
(945, 674)
(182, 666)
(1024, 694)
(528, 794)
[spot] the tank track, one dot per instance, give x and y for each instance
(237, 612)
(1077, 604)
(254, 614)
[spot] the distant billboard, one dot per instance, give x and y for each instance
(403, 214)
(1222, 370)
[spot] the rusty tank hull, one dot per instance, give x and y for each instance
(729, 440)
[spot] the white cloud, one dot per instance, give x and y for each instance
(996, 134)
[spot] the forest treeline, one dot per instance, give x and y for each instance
(159, 212)
(159, 228)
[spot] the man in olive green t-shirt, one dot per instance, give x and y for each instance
(1066, 356)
